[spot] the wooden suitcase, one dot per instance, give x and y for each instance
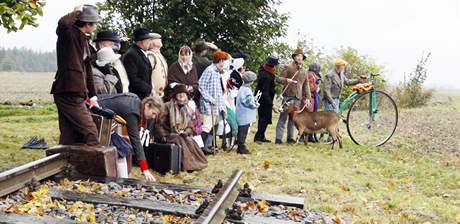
(164, 158)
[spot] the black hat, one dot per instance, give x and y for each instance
(142, 34)
(200, 45)
(272, 60)
(315, 67)
(107, 35)
(240, 54)
(179, 88)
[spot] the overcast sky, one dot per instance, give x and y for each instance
(393, 32)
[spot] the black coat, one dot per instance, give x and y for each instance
(139, 71)
(266, 85)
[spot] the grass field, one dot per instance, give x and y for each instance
(413, 179)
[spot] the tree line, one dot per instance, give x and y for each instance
(27, 60)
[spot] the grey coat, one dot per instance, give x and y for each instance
(104, 83)
(333, 85)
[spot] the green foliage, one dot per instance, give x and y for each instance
(358, 64)
(16, 14)
(25, 60)
(250, 26)
(411, 93)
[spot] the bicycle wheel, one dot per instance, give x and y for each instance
(372, 122)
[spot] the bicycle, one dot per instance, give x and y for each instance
(372, 117)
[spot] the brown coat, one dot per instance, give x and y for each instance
(299, 89)
(176, 74)
(193, 157)
(74, 55)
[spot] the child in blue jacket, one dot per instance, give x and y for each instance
(246, 106)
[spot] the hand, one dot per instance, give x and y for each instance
(78, 8)
(93, 103)
(148, 176)
(124, 39)
(292, 81)
(189, 88)
(307, 103)
(212, 102)
(334, 105)
(212, 46)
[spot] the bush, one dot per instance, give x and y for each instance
(410, 93)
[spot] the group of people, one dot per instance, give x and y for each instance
(182, 103)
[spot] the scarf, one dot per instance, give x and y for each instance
(269, 69)
(186, 67)
(179, 116)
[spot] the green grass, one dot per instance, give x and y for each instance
(409, 180)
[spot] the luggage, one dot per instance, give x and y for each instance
(164, 158)
(89, 160)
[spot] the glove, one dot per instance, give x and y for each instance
(307, 103)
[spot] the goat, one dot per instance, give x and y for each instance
(314, 122)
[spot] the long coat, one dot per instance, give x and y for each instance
(177, 75)
(193, 157)
(74, 56)
(139, 71)
(266, 85)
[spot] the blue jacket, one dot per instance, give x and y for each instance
(245, 106)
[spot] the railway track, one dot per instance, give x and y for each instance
(116, 200)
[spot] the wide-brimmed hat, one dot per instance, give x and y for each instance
(107, 35)
(142, 34)
(237, 63)
(89, 14)
(340, 62)
(179, 88)
(272, 60)
(106, 55)
(299, 51)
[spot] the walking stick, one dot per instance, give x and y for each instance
(214, 137)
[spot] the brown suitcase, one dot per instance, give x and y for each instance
(89, 160)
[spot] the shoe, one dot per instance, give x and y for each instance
(266, 141)
(291, 140)
(243, 150)
(208, 151)
(278, 141)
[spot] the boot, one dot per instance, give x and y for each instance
(242, 150)
(278, 141)
(207, 141)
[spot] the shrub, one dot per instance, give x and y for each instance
(410, 93)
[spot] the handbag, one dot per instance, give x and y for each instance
(123, 147)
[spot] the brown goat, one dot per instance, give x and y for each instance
(314, 122)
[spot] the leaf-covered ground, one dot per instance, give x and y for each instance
(413, 179)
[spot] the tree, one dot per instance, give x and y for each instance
(253, 27)
(22, 11)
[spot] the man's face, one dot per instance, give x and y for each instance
(298, 58)
(156, 44)
(221, 65)
(89, 28)
(340, 68)
(106, 43)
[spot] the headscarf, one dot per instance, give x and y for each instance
(185, 65)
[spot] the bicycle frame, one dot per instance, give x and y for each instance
(372, 102)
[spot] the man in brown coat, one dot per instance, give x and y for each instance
(295, 79)
(73, 85)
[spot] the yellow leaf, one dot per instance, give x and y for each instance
(266, 164)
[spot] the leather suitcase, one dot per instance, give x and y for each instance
(164, 158)
(89, 160)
